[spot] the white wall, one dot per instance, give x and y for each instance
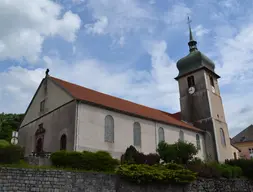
(90, 132)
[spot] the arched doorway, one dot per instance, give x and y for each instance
(39, 145)
(39, 140)
(63, 144)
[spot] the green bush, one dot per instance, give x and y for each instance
(98, 161)
(173, 166)
(132, 156)
(143, 174)
(215, 170)
(246, 166)
(4, 143)
(11, 154)
(179, 152)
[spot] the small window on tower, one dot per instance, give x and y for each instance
(191, 81)
(211, 80)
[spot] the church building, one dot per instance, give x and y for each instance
(66, 116)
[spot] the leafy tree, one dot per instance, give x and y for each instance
(179, 152)
(8, 123)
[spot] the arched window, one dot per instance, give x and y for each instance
(137, 134)
(181, 135)
(198, 142)
(161, 134)
(222, 137)
(63, 144)
(109, 129)
(190, 81)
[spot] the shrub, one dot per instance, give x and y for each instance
(195, 161)
(215, 170)
(98, 161)
(4, 143)
(205, 170)
(179, 152)
(132, 156)
(11, 154)
(143, 174)
(173, 166)
(129, 156)
(246, 166)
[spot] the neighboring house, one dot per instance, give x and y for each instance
(244, 142)
(235, 150)
(67, 116)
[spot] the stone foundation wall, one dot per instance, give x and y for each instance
(14, 179)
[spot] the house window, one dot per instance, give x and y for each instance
(235, 157)
(109, 129)
(211, 81)
(161, 134)
(181, 135)
(137, 134)
(222, 137)
(198, 142)
(251, 152)
(42, 106)
(63, 142)
(190, 81)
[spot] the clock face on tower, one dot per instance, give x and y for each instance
(191, 90)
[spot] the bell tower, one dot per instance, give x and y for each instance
(201, 102)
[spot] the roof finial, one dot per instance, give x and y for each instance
(47, 71)
(192, 43)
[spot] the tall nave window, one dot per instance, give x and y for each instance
(109, 129)
(137, 134)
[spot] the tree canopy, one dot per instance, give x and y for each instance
(8, 123)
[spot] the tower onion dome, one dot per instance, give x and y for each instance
(194, 60)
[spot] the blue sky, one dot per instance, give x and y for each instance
(126, 48)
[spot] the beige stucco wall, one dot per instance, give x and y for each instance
(244, 148)
(219, 120)
(235, 151)
(55, 97)
(90, 132)
(60, 121)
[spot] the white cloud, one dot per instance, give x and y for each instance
(177, 14)
(98, 27)
(200, 31)
(236, 69)
(155, 88)
(25, 25)
(118, 17)
(17, 86)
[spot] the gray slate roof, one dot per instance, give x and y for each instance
(244, 136)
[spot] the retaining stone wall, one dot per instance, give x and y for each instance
(24, 180)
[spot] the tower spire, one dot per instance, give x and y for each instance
(192, 43)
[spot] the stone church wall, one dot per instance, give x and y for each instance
(23, 180)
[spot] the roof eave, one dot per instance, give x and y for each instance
(195, 70)
(140, 116)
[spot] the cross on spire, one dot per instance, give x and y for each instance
(192, 43)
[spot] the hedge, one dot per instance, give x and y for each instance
(11, 154)
(246, 166)
(96, 161)
(144, 174)
(215, 170)
(132, 156)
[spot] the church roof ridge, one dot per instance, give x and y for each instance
(108, 101)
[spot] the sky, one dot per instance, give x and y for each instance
(126, 48)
